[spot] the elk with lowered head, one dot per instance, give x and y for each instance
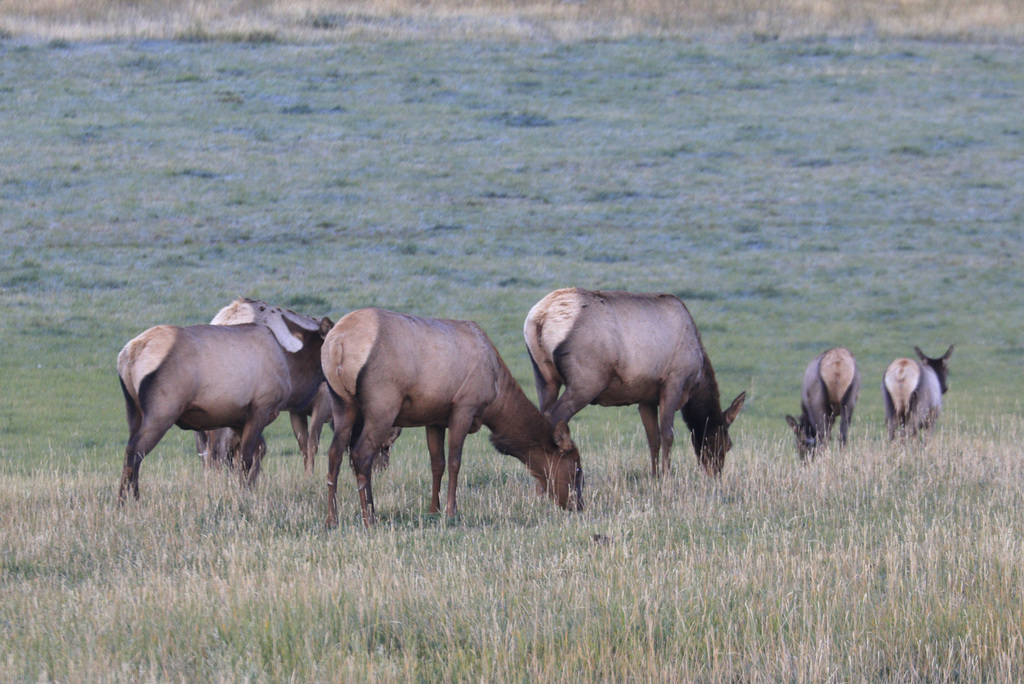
(389, 369)
(623, 348)
(831, 386)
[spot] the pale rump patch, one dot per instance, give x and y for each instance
(244, 310)
(550, 321)
(901, 379)
(837, 369)
(237, 312)
(347, 347)
(144, 354)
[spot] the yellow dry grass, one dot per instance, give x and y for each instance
(880, 563)
(566, 20)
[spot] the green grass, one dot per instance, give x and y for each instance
(796, 194)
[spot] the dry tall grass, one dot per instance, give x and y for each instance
(877, 564)
(317, 20)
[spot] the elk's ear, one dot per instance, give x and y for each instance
(793, 424)
(949, 352)
(734, 408)
(920, 354)
(563, 440)
(325, 326)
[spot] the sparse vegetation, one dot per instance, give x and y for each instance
(262, 21)
(798, 194)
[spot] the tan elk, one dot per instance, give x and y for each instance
(215, 446)
(307, 422)
(205, 377)
(622, 348)
(387, 368)
(830, 389)
(912, 392)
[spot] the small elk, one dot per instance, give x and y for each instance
(215, 446)
(831, 386)
(912, 392)
(205, 377)
(623, 348)
(387, 368)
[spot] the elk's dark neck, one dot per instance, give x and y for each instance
(517, 427)
(704, 409)
(306, 372)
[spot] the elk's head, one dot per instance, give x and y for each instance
(563, 478)
(806, 435)
(713, 442)
(940, 365)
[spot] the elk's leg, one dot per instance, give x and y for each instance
(667, 413)
(890, 412)
(383, 459)
(649, 418)
(203, 447)
(140, 443)
(671, 400)
(253, 447)
(845, 417)
(458, 427)
(345, 415)
(827, 421)
(321, 416)
(362, 465)
(363, 454)
(435, 446)
(547, 388)
(301, 430)
(227, 443)
(218, 446)
(568, 405)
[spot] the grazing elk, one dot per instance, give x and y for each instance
(831, 386)
(386, 368)
(308, 421)
(205, 377)
(912, 392)
(623, 348)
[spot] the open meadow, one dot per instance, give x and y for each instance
(797, 194)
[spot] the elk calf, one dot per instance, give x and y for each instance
(830, 389)
(912, 391)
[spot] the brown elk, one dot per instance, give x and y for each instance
(308, 421)
(623, 348)
(386, 368)
(831, 386)
(912, 392)
(205, 377)
(216, 445)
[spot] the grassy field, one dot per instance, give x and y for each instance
(797, 194)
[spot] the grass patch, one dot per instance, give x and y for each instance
(881, 560)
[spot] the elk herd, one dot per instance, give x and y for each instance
(375, 372)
